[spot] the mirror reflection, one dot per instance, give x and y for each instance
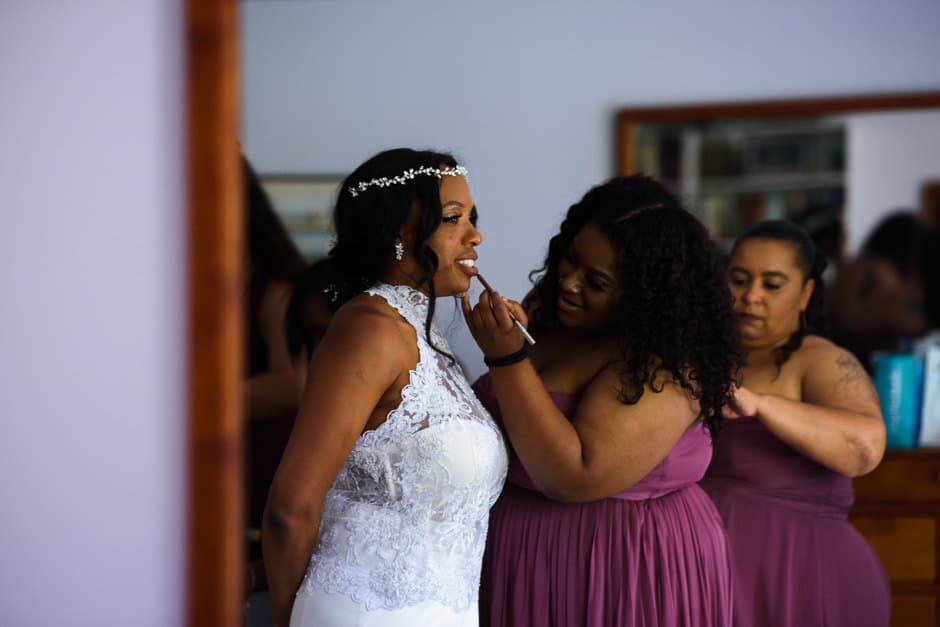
(740, 172)
(851, 168)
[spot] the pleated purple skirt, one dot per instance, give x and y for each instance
(657, 562)
(795, 558)
(654, 555)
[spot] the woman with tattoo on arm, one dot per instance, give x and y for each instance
(805, 420)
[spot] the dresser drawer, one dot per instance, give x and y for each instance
(914, 610)
(906, 545)
(902, 477)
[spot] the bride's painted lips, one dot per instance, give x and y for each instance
(467, 266)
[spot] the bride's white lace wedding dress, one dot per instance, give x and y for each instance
(403, 527)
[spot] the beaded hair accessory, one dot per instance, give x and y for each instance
(640, 211)
(407, 175)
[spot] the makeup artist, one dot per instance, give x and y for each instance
(610, 415)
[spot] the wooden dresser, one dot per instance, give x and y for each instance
(897, 507)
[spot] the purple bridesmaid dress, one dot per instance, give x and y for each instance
(654, 555)
(796, 560)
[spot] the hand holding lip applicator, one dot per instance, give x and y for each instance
(528, 338)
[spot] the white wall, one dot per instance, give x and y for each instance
(92, 315)
(890, 156)
(524, 91)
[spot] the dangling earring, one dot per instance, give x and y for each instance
(399, 251)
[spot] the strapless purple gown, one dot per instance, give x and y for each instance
(653, 555)
(796, 560)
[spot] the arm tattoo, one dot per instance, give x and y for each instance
(851, 369)
(851, 372)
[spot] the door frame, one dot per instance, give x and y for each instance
(215, 561)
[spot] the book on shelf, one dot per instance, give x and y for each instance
(898, 379)
(930, 404)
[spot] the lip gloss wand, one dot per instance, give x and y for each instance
(522, 329)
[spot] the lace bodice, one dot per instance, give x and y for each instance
(405, 520)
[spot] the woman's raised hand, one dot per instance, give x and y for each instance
(492, 325)
(743, 404)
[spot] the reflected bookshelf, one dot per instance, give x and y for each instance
(735, 173)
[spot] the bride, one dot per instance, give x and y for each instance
(378, 512)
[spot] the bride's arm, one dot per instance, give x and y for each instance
(344, 386)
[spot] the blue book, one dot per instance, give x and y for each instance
(898, 380)
(930, 405)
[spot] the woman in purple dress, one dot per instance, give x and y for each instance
(808, 421)
(610, 415)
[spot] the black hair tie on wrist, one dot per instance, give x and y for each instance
(508, 360)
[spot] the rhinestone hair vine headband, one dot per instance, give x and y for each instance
(407, 175)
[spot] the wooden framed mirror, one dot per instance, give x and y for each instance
(736, 163)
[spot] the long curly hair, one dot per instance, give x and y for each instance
(368, 224)
(674, 311)
(273, 254)
(811, 266)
